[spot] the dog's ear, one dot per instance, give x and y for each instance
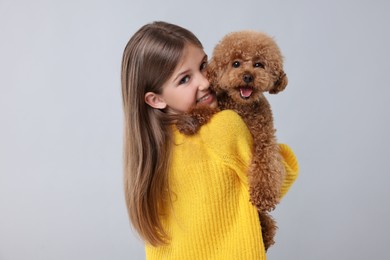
(280, 84)
(212, 73)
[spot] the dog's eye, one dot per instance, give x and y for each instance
(258, 65)
(236, 64)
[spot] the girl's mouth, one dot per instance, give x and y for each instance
(206, 98)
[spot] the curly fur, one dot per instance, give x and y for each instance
(243, 66)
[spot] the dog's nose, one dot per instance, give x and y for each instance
(248, 78)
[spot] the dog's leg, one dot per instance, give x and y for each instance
(265, 176)
(268, 229)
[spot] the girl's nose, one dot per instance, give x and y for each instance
(203, 82)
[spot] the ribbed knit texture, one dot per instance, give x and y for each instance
(291, 165)
(211, 216)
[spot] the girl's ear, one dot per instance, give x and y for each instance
(155, 101)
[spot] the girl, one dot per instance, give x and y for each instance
(187, 196)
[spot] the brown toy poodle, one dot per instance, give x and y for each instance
(243, 66)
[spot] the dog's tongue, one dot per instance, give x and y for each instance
(246, 92)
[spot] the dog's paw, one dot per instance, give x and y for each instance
(265, 200)
(264, 203)
(265, 179)
(190, 123)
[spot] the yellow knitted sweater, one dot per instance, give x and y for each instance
(211, 216)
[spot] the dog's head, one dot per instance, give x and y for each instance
(245, 64)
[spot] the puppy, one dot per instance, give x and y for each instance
(243, 66)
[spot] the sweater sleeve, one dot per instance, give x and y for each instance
(291, 165)
(231, 141)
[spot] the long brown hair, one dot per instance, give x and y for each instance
(149, 59)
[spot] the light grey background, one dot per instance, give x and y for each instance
(61, 122)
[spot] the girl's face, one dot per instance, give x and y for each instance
(187, 87)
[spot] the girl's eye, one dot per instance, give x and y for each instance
(203, 66)
(184, 80)
(236, 64)
(258, 65)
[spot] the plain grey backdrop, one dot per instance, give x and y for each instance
(61, 122)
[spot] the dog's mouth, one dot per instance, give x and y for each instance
(245, 92)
